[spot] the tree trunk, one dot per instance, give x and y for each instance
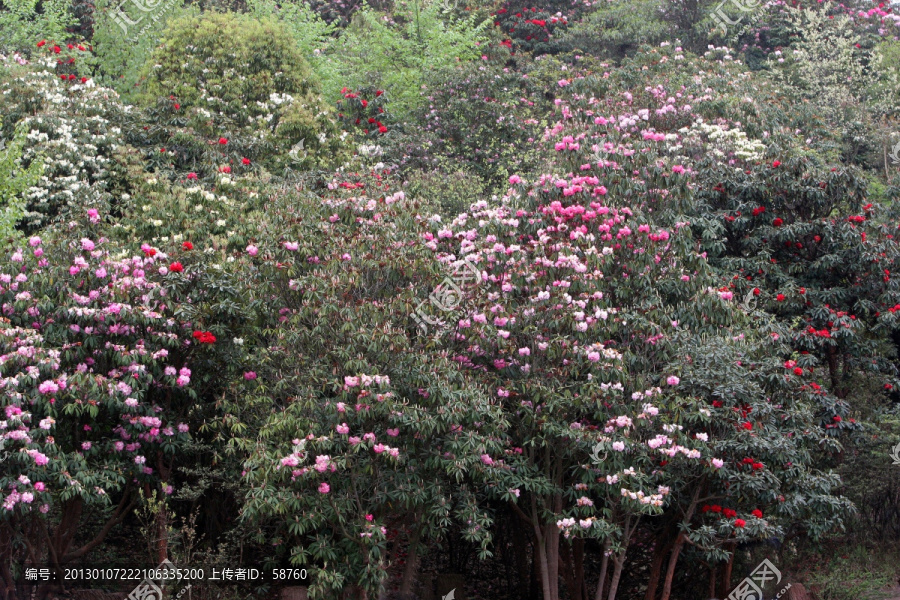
(726, 573)
(547, 544)
(662, 549)
(411, 569)
(617, 575)
(567, 562)
(580, 583)
(679, 544)
(604, 565)
(544, 569)
(520, 547)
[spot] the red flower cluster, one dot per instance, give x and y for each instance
(204, 337)
(361, 111)
(187, 246)
(759, 210)
(776, 164)
(176, 267)
(777, 222)
(755, 465)
(856, 219)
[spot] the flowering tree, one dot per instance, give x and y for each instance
(98, 384)
(367, 433)
(594, 298)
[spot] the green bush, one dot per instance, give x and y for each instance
(236, 78)
(13, 181)
(121, 50)
(395, 53)
(25, 22)
(226, 63)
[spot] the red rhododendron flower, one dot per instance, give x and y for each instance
(757, 513)
(41, 43)
(204, 337)
(365, 103)
(776, 164)
(382, 129)
(69, 46)
(192, 176)
(756, 291)
(729, 513)
(150, 252)
(739, 522)
(187, 246)
(177, 106)
(245, 160)
(716, 508)
(84, 80)
(780, 297)
(837, 418)
(57, 49)
(225, 169)
(748, 426)
(778, 222)
(223, 141)
(176, 267)
(378, 93)
(798, 371)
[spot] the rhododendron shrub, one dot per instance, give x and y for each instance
(550, 331)
(482, 119)
(363, 112)
(95, 389)
(366, 430)
(579, 332)
(594, 294)
(793, 233)
(70, 131)
(531, 29)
